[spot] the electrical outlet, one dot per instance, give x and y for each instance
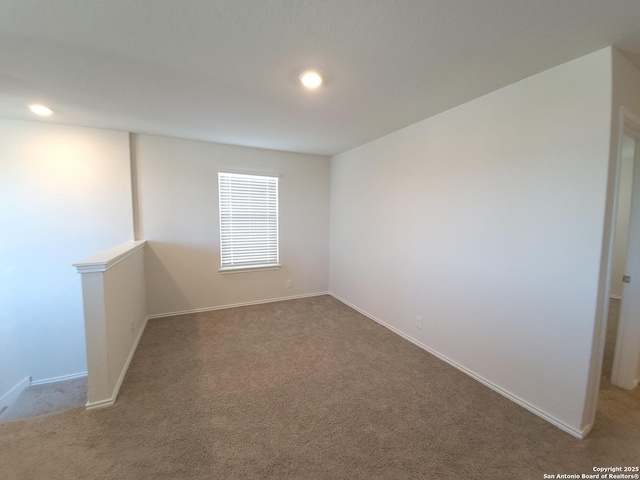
(289, 283)
(418, 322)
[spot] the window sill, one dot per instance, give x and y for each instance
(252, 268)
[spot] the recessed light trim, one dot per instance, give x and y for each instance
(311, 79)
(41, 110)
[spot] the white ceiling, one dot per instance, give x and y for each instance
(226, 70)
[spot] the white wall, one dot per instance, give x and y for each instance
(487, 221)
(621, 238)
(178, 197)
(64, 194)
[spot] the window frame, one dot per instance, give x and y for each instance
(244, 268)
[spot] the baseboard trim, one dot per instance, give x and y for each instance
(14, 392)
(617, 297)
(116, 390)
(235, 305)
(100, 404)
(134, 347)
(585, 431)
(514, 398)
(59, 379)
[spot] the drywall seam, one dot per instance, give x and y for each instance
(11, 396)
(514, 398)
(62, 378)
(111, 400)
(234, 305)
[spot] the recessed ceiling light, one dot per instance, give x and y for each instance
(311, 79)
(41, 110)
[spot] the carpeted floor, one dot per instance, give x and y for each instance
(48, 398)
(305, 389)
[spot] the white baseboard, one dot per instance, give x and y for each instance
(514, 398)
(116, 390)
(59, 379)
(11, 396)
(100, 404)
(234, 305)
(617, 297)
(585, 431)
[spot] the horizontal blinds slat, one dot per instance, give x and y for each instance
(248, 246)
(242, 195)
(247, 232)
(251, 242)
(255, 258)
(239, 260)
(248, 264)
(240, 217)
(248, 241)
(253, 191)
(251, 180)
(249, 250)
(240, 185)
(247, 253)
(248, 219)
(248, 228)
(247, 257)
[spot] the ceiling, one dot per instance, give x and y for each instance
(226, 70)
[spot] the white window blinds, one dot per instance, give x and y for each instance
(248, 221)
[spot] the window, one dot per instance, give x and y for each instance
(248, 221)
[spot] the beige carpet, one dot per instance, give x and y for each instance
(48, 398)
(304, 389)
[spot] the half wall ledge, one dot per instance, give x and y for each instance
(115, 315)
(105, 260)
